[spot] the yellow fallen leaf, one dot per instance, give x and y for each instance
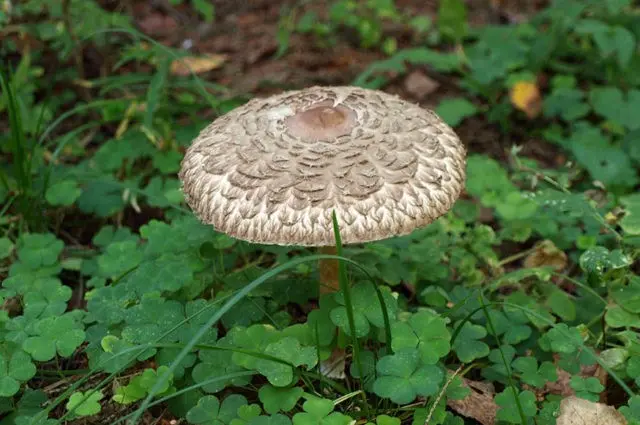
(197, 64)
(525, 96)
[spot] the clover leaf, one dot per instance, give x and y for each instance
(366, 309)
(119, 257)
(630, 223)
(401, 377)
(64, 192)
(467, 345)
(217, 363)
(562, 339)
(37, 250)
(289, 350)
(533, 375)
(140, 385)
(150, 320)
(511, 325)
(629, 296)
(279, 399)
(318, 411)
(246, 414)
(51, 335)
(84, 404)
(277, 419)
(587, 388)
(209, 410)
(15, 367)
(509, 412)
(425, 331)
(6, 247)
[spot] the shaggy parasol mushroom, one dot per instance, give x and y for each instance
(274, 170)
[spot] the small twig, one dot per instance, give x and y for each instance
(444, 389)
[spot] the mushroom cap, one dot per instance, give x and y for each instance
(273, 170)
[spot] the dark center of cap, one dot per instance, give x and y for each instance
(321, 122)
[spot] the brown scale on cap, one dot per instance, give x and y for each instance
(272, 171)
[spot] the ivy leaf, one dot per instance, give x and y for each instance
(509, 412)
(289, 350)
(468, 346)
(401, 377)
(51, 335)
(318, 411)
(366, 309)
(279, 399)
(209, 411)
(425, 331)
(15, 368)
(616, 106)
(79, 406)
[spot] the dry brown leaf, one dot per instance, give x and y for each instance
(197, 64)
(334, 367)
(546, 254)
(525, 96)
(419, 85)
(479, 404)
(577, 411)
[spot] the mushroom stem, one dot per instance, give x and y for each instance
(328, 271)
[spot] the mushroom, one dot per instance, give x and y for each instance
(274, 170)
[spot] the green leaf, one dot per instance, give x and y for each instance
(616, 106)
(533, 375)
(85, 407)
(275, 399)
(63, 193)
(209, 411)
(452, 19)
(467, 345)
(102, 197)
(217, 363)
(618, 317)
(6, 247)
(60, 334)
(289, 350)
(37, 250)
(15, 368)
(120, 257)
(630, 223)
(599, 260)
(453, 111)
(401, 377)
(509, 412)
(425, 331)
(366, 309)
(319, 411)
(587, 388)
(562, 339)
(604, 161)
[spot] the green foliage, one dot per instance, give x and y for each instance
(106, 274)
(402, 377)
